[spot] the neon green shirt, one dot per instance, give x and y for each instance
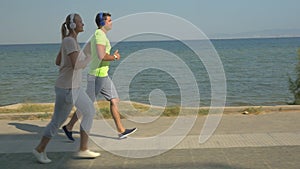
(97, 67)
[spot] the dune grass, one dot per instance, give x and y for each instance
(45, 111)
(28, 108)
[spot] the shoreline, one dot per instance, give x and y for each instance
(226, 108)
(17, 111)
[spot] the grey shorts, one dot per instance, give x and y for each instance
(103, 85)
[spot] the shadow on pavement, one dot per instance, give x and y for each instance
(35, 129)
(28, 127)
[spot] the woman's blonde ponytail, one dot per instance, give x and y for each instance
(63, 30)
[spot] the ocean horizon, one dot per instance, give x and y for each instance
(167, 39)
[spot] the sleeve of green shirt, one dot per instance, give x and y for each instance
(100, 38)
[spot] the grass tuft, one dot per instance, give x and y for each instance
(253, 110)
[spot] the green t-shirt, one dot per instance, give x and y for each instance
(97, 67)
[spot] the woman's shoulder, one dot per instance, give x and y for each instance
(69, 39)
(69, 43)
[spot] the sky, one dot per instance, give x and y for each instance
(36, 21)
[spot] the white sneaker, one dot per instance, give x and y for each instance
(87, 154)
(41, 157)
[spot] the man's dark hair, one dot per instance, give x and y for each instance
(104, 17)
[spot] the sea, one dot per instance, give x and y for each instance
(256, 71)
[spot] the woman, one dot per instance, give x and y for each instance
(68, 91)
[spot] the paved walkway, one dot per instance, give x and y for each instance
(266, 141)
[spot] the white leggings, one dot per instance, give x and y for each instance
(64, 102)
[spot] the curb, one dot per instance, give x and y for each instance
(226, 110)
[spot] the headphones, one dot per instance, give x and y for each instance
(102, 21)
(72, 24)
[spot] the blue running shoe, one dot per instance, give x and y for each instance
(68, 133)
(127, 132)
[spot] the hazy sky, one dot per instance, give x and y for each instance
(38, 21)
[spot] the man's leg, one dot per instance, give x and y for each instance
(72, 122)
(116, 115)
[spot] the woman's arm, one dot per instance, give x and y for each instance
(79, 64)
(80, 59)
(58, 58)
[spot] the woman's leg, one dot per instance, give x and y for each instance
(91, 93)
(86, 107)
(63, 106)
(61, 111)
(43, 144)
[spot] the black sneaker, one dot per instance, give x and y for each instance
(127, 132)
(68, 133)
